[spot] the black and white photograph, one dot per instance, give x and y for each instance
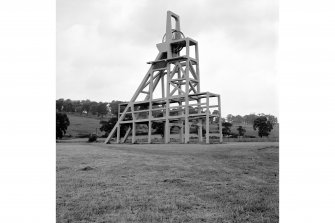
(167, 111)
(147, 134)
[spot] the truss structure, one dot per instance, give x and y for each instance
(170, 93)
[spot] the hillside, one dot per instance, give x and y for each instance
(81, 125)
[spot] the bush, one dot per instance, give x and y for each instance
(263, 125)
(92, 138)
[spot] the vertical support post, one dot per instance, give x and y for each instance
(167, 105)
(118, 134)
(168, 81)
(197, 66)
(179, 77)
(167, 131)
(199, 120)
(118, 111)
(181, 133)
(181, 123)
(163, 86)
(133, 134)
(187, 90)
(150, 105)
(168, 33)
(207, 118)
(220, 122)
(200, 130)
(132, 111)
(187, 130)
(180, 108)
(149, 131)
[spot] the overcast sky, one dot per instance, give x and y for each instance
(103, 47)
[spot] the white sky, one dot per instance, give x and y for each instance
(103, 47)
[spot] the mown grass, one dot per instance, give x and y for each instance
(236, 182)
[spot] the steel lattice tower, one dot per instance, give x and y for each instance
(179, 102)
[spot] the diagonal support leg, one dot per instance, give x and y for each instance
(126, 135)
(138, 91)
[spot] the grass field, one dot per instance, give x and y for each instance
(81, 125)
(234, 182)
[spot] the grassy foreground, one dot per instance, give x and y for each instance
(235, 182)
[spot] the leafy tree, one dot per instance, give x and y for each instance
(241, 131)
(114, 105)
(59, 104)
(238, 119)
(107, 126)
(68, 106)
(76, 105)
(102, 109)
(62, 122)
(79, 109)
(263, 125)
(226, 128)
(230, 118)
(94, 107)
(86, 107)
(273, 119)
(249, 119)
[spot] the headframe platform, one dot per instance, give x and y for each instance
(179, 101)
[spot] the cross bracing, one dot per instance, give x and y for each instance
(170, 93)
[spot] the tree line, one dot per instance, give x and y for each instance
(103, 108)
(87, 107)
(261, 122)
(249, 119)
